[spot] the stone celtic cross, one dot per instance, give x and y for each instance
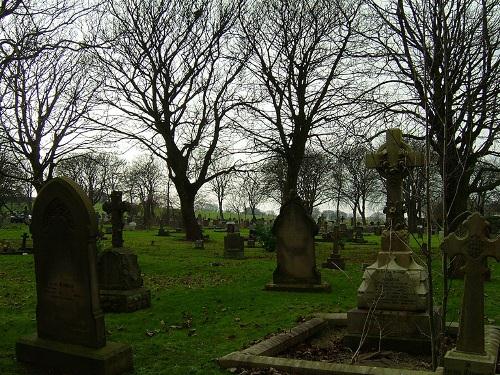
(392, 161)
(475, 246)
(116, 208)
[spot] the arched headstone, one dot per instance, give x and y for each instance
(64, 230)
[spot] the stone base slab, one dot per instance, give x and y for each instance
(334, 264)
(112, 359)
(323, 287)
(125, 300)
(460, 363)
(234, 254)
(399, 330)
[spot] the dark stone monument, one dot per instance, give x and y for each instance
(199, 244)
(477, 348)
(70, 324)
(295, 254)
(162, 232)
(234, 246)
(392, 298)
(358, 235)
(120, 280)
(335, 261)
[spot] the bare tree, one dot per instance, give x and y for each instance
(45, 101)
(300, 67)
(221, 182)
(145, 177)
(98, 173)
(441, 68)
(28, 27)
(170, 73)
(253, 187)
(362, 185)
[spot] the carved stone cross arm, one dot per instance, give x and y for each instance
(475, 244)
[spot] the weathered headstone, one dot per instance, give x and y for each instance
(199, 244)
(234, 246)
(162, 232)
(392, 298)
(120, 279)
(70, 324)
(477, 349)
(335, 261)
(358, 235)
(294, 230)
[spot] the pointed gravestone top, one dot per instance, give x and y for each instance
(295, 230)
(392, 161)
(475, 246)
(64, 230)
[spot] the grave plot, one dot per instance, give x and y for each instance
(319, 346)
(392, 314)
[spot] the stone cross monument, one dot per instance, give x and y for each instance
(475, 246)
(116, 207)
(395, 287)
(120, 281)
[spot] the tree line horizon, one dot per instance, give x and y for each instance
(288, 94)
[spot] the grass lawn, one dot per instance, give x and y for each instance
(203, 306)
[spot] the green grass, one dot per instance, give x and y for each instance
(225, 304)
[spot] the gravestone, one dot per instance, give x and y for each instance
(294, 230)
(392, 298)
(335, 261)
(120, 280)
(198, 244)
(477, 349)
(358, 235)
(70, 324)
(234, 246)
(162, 232)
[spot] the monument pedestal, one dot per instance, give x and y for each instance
(322, 287)
(461, 363)
(394, 282)
(334, 262)
(112, 359)
(125, 300)
(120, 282)
(407, 331)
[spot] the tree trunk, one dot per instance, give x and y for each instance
(193, 230)
(221, 213)
(456, 192)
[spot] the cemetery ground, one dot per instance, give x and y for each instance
(203, 305)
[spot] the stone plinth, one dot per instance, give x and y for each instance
(125, 300)
(462, 363)
(334, 262)
(112, 359)
(234, 246)
(407, 331)
(394, 282)
(120, 282)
